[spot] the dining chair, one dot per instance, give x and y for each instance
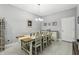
(55, 36)
(33, 34)
(37, 45)
(44, 41)
(49, 40)
(52, 36)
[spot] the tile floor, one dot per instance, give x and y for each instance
(56, 48)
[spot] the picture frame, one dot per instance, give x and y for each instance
(54, 23)
(49, 24)
(45, 24)
(29, 23)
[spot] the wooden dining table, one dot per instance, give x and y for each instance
(26, 39)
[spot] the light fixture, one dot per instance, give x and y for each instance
(39, 19)
(36, 19)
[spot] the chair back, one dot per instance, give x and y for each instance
(44, 37)
(41, 33)
(33, 34)
(49, 35)
(38, 39)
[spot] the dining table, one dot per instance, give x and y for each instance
(25, 40)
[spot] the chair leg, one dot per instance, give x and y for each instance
(35, 51)
(41, 48)
(46, 44)
(43, 45)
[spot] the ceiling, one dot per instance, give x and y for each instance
(44, 9)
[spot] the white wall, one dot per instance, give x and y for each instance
(57, 17)
(77, 25)
(16, 22)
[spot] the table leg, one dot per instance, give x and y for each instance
(30, 48)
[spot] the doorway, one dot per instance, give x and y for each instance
(68, 29)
